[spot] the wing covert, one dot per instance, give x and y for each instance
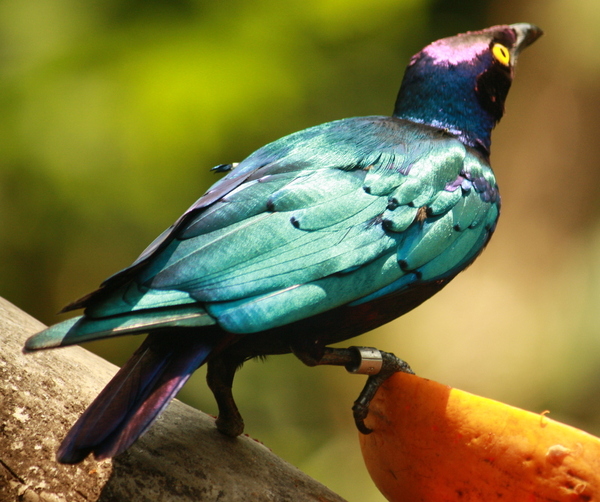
(310, 228)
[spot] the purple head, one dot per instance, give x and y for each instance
(460, 83)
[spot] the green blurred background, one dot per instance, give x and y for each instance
(112, 113)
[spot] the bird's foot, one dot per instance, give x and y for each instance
(379, 366)
(231, 426)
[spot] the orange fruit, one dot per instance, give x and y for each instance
(433, 443)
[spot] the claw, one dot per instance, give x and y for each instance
(232, 426)
(360, 411)
(377, 364)
(390, 364)
(362, 428)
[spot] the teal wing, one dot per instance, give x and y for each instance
(316, 220)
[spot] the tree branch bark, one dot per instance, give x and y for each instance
(182, 457)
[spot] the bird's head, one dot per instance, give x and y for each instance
(460, 83)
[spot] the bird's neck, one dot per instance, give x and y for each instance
(451, 104)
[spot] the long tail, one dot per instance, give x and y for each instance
(136, 395)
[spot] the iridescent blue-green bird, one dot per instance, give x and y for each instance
(313, 239)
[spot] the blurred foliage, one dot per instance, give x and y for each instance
(112, 113)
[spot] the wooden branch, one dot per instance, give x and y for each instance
(182, 457)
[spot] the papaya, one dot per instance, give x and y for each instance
(433, 443)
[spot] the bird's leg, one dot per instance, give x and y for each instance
(219, 376)
(377, 364)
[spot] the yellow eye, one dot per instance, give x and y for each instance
(501, 54)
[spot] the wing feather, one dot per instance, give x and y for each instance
(338, 214)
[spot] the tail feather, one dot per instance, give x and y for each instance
(83, 328)
(134, 398)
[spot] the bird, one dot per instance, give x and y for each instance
(311, 240)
